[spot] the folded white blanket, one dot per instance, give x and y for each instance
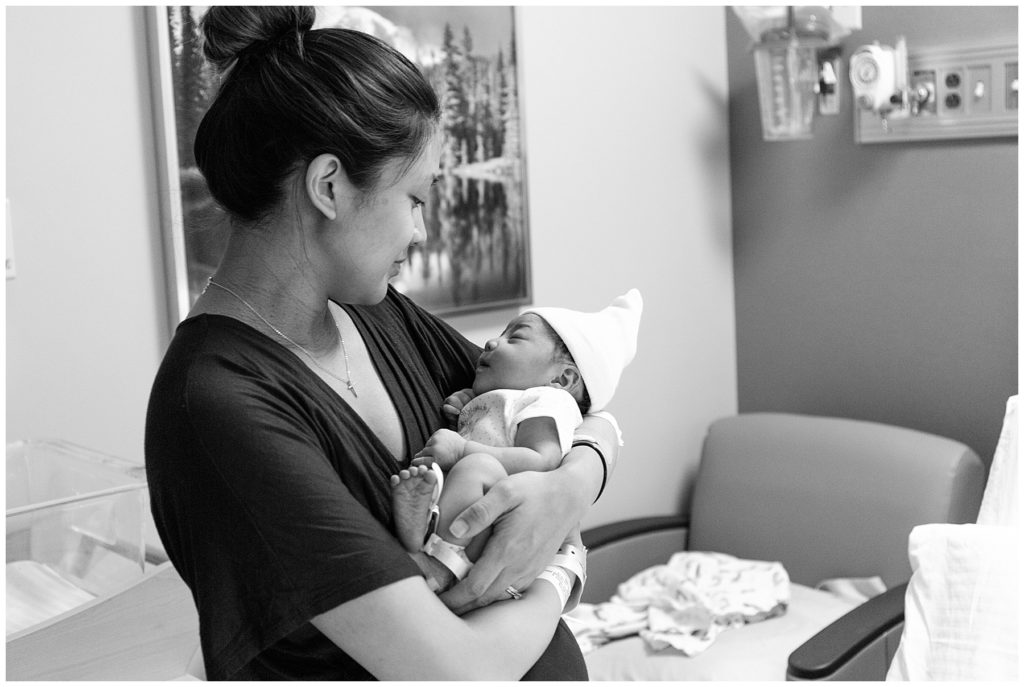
(685, 603)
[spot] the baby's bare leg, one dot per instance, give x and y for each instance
(467, 481)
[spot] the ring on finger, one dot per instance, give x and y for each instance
(513, 592)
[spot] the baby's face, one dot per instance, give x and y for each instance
(522, 357)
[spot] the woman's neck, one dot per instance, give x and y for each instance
(261, 283)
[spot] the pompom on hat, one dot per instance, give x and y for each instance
(602, 343)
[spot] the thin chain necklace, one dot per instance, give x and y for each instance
(346, 382)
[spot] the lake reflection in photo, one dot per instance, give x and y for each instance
(476, 249)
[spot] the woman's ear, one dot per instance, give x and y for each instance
(326, 182)
(568, 378)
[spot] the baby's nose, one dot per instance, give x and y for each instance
(491, 344)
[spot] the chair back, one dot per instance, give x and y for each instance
(827, 497)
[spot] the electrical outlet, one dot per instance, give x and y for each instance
(952, 91)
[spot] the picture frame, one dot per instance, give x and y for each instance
(476, 253)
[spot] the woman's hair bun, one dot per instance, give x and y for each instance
(230, 30)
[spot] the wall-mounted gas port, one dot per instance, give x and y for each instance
(950, 92)
(979, 88)
(922, 90)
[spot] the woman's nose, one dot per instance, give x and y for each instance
(491, 344)
(419, 230)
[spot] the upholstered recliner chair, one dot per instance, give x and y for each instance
(826, 497)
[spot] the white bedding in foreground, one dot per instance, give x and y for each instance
(961, 605)
(963, 600)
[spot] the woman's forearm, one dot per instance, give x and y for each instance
(581, 475)
(402, 632)
(512, 631)
(586, 469)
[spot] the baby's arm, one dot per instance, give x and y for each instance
(536, 448)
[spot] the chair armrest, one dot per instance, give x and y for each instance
(830, 652)
(603, 535)
(621, 549)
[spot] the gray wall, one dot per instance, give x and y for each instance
(876, 282)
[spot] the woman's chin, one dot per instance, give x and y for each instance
(367, 297)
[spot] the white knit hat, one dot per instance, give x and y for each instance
(602, 343)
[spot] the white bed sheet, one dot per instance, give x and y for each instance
(962, 609)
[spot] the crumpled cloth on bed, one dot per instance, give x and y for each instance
(685, 603)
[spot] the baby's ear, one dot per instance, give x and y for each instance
(568, 378)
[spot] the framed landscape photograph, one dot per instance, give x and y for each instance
(476, 254)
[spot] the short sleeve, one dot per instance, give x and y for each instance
(558, 404)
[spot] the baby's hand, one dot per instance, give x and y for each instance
(445, 448)
(454, 404)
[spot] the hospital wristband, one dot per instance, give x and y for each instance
(451, 556)
(561, 580)
(575, 561)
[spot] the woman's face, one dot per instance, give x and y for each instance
(522, 357)
(374, 233)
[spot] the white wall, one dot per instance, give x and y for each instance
(85, 314)
(627, 163)
(627, 154)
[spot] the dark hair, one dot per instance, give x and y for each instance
(289, 93)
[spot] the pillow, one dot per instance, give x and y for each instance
(961, 605)
(999, 504)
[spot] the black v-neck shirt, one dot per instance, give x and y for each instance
(271, 495)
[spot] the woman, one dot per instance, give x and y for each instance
(301, 381)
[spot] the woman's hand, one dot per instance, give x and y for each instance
(532, 513)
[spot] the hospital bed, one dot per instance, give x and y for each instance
(827, 497)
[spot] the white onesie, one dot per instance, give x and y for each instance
(492, 418)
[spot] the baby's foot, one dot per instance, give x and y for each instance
(411, 496)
